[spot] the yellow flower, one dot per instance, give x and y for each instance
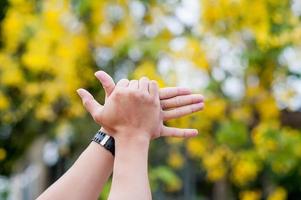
(45, 112)
(278, 194)
(250, 195)
(214, 165)
(148, 69)
(195, 147)
(12, 76)
(268, 109)
(175, 160)
(174, 140)
(215, 109)
(4, 103)
(242, 113)
(194, 52)
(245, 167)
(32, 89)
(12, 29)
(244, 171)
(2, 154)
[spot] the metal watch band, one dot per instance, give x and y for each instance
(105, 140)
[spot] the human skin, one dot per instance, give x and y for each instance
(90, 182)
(175, 102)
(140, 119)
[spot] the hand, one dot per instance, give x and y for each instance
(176, 102)
(132, 107)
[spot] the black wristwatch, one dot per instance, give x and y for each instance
(105, 140)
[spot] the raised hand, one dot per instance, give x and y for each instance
(132, 107)
(176, 102)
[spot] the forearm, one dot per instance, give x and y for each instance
(86, 178)
(130, 176)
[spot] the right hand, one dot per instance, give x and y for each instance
(132, 110)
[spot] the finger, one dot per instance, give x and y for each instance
(178, 132)
(143, 84)
(179, 101)
(106, 81)
(170, 92)
(90, 104)
(134, 84)
(153, 89)
(182, 111)
(123, 83)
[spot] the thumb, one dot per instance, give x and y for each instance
(106, 81)
(91, 105)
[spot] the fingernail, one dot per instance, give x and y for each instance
(199, 105)
(194, 133)
(79, 92)
(99, 74)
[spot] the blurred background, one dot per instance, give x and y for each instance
(243, 56)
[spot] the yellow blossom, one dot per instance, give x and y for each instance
(196, 147)
(4, 102)
(250, 195)
(12, 76)
(215, 109)
(2, 154)
(175, 160)
(244, 171)
(278, 194)
(148, 69)
(268, 109)
(214, 165)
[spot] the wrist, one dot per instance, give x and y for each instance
(132, 136)
(104, 140)
(131, 141)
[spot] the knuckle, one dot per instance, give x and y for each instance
(144, 78)
(156, 102)
(163, 104)
(177, 101)
(154, 83)
(122, 90)
(193, 99)
(132, 94)
(116, 95)
(121, 81)
(117, 91)
(136, 94)
(151, 102)
(145, 96)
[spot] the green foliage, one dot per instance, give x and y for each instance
(233, 134)
(164, 175)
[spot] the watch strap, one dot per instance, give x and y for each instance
(105, 140)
